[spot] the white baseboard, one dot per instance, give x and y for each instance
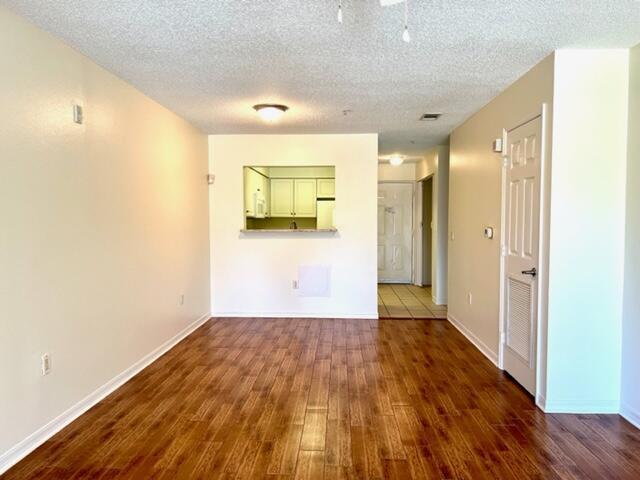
(576, 406)
(631, 415)
(479, 344)
(37, 438)
(357, 316)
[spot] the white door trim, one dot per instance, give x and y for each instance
(419, 228)
(413, 225)
(543, 271)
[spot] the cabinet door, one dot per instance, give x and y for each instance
(249, 188)
(305, 197)
(265, 188)
(281, 197)
(326, 188)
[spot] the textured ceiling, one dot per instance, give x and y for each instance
(210, 61)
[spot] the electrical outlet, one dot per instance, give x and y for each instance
(181, 299)
(294, 284)
(45, 364)
(470, 298)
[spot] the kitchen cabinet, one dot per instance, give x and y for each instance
(304, 203)
(326, 188)
(293, 197)
(282, 192)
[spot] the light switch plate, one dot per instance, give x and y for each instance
(78, 116)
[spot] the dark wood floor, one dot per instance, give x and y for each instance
(335, 399)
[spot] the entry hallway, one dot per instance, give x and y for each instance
(408, 301)
(257, 398)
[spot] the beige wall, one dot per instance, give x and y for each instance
(475, 202)
(630, 396)
(252, 273)
(104, 225)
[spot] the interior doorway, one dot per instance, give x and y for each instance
(426, 223)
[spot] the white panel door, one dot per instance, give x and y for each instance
(281, 197)
(304, 202)
(395, 224)
(522, 223)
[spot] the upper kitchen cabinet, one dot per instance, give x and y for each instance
(304, 203)
(282, 194)
(326, 188)
(293, 197)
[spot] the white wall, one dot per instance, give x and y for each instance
(252, 274)
(475, 202)
(630, 395)
(586, 249)
(104, 225)
(401, 173)
(436, 163)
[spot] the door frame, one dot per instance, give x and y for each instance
(413, 208)
(419, 228)
(543, 254)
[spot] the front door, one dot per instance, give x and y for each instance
(521, 230)
(395, 224)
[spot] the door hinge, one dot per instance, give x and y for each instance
(505, 161)
(503, 250)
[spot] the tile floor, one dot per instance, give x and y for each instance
(408, 301)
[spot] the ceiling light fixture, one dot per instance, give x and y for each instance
(396, 160)
(339, 11)
(405, 35)
(270, 112)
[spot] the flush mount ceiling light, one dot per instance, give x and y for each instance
(396, 160)
(386, 3)
(270, 112)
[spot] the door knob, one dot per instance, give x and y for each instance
(533, 272)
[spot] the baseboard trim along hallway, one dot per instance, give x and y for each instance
(479, 344)
(37, 438)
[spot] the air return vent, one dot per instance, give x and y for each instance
(430, 117)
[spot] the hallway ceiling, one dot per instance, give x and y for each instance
(210, 61)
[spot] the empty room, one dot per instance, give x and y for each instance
(339, 239)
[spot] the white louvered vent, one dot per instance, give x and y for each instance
(519, 320)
